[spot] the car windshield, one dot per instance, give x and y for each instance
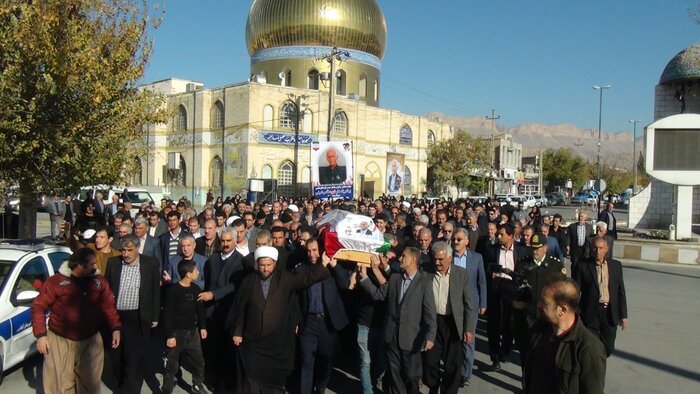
(138, 197)
(5, 267)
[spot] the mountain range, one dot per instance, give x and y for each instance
(615, 148)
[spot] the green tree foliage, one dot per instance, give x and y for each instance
(458, 161)
(563, 164)
(71, 107)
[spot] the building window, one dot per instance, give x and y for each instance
(178, 176)
(216, 172)
(340, 83)
(137, 176)
(181, 121)
(405, 135)
(286, 77)
(406, 179)
(266, 172)
(306, 175)
(217, 115)
(313, 82)
(431, 138)
(287, 116)
(284, 179)
(307, 121)
(268, 113)
(340, 124)
(376, 90)
(362, 89)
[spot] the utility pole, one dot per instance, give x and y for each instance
(634, 155)
(331, 58)
(492, 118)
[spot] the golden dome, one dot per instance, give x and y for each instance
(350, 24)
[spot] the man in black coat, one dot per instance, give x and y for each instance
(135, 282)
(609, 218)
(603, 296)
(578, 238)
(323, 315)
(260, 325)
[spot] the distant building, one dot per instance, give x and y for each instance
(508, 156)
(219, 138)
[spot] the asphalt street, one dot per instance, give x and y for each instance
(658, 353)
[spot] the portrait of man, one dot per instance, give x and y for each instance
(364, 229)
(394, 181)
(332, 173)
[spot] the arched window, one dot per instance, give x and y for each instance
(340, 124)
(216, 172)
(406, 179)
(268, 113)
(308, 121)
(362, 89)
(340, 83)
(287, 115)
(137, 176)
(178, 177)
(266, 172)
(181, 121)
(217, 115)
(313, 79)
(284, 179)
(286, 77)
(406, 135)
(431, 138)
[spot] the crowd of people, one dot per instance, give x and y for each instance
(244, 296)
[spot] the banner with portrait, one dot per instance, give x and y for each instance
(394, 173)
(331, 169)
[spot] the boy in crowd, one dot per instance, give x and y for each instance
(184, 323)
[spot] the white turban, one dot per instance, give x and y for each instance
(266, 251)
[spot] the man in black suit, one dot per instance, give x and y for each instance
(578, 238)
(135, 282)
(411, 323)
(455, 326)
(148, 246)
(603, 298)
(609, 218)
(223, 274)
(323, 315)
(500, 296)
(208, 244)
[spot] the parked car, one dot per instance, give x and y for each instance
(24, 267)
(540, 200)
(556, 198)
(583, 198)
(528, 201)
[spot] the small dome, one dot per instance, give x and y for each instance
(351, 24)
(684, 66)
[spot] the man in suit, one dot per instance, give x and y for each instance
(474, 264)
(135, 282)
(601, 231)
(609, 218)
(112, 209)
(332, 173)
(474, 231)
(603, 296)
(323, 315)
(148, 246)
(394, 182)
(57, 211)
(578, 238)
(260, 323)
(411, 323)
(553, 249)
(500, 295)
(251, 230)
(223, 274)
(156, 225)
(559, 232)
(99, 204)
(454, 308)
(208, 244)
(170, 240)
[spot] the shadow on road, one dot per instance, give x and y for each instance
(692, 375)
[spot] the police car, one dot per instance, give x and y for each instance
(24, 266)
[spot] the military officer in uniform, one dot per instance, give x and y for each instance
(333, 173)
(536, 269)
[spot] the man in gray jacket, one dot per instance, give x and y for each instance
(411, 325)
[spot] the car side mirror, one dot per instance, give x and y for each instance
(27, 296)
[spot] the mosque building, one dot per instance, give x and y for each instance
(220, 138)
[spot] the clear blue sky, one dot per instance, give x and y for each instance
(532, 61)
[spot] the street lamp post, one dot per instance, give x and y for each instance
(600, 122)
(634, 154)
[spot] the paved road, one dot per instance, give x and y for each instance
(658, 353)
